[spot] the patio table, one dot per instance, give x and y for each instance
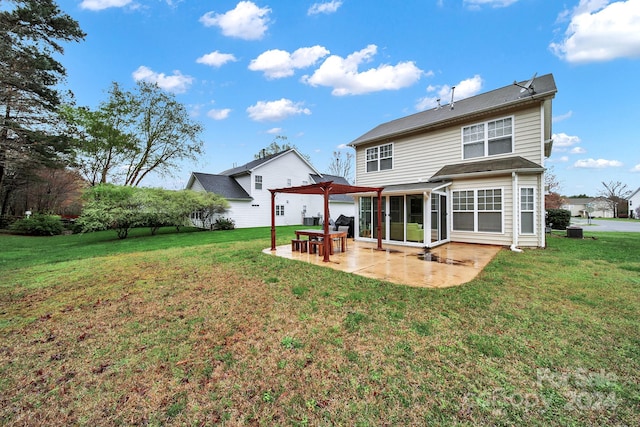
(342, 235)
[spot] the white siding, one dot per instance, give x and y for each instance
(276, 174)
(417, 158)
(505, 184)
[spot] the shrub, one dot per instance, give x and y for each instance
(558, 219)
(39, 225)
(223, 223)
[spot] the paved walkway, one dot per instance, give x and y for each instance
(451, 264)
(632, 226)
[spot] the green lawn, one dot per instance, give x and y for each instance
(201, 328)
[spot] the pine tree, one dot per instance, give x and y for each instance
(31, 34)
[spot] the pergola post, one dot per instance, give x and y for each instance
(326, 241)
(379, 222)
(273, 220)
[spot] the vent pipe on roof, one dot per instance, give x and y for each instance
(453, 89)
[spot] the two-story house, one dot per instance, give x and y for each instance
(471, 171)
(246, 188)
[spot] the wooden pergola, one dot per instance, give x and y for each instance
(325, 189)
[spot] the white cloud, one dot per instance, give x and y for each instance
(216, 59)
(276, 110)
(561, 159)
(597, 164)
(600, 31)
(219, 114)
(103, 4)
(247, 21)
(329, 7)
(464, 89)
(577, 150)
(564, 140)
(343, 76)
(274, 131)
(477, 4)
(636, 168)
(176, 83)
(278, 63)
(562, 117)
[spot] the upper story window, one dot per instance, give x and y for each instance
(258, 182)
(380, 158)
(288, 182)
(488, 138)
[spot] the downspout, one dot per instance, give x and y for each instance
(514, 217)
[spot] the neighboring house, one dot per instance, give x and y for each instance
(593, 206)
(634, 203)
(247, 187)
(471, 171)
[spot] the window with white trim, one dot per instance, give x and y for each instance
(527, 210)
(490, 210)
(379, 158)
(478, 210)
(288, 182)
(488, 138)
(463, 211)
(258, 182)
(279, 210)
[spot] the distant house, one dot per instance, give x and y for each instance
(588, 206)
(471, 171)
(634, 204)
(247, 187)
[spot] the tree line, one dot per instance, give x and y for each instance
(128, 136)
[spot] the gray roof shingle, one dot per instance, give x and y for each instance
(252, 164)
(224, 185)
(503, 165)
(464, 109)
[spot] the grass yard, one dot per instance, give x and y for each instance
(201, 328)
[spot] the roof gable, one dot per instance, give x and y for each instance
(505, 97)
(254, 164)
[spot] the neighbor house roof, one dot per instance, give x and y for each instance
(487, 167)
(248, 167)
(223, 185)
(337, 180)
(577, 200)
(464, 109)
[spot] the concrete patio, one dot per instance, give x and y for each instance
(448, 265)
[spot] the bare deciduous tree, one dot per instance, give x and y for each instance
(615, 193)
(342, 166)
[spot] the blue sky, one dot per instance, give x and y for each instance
(323, 73)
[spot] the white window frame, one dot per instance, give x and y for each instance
(532, 210)
(279, 210)
(379, 157)
(488, 206)
(473, 205)
(288, 182)
(479, 133)
(258, 182)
